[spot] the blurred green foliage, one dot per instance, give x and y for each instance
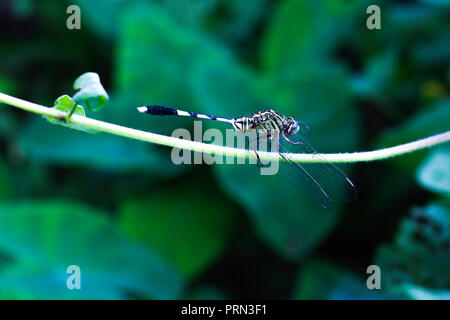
(322, 280)
(201, 231)
(419, 256)
(46, 237)
(141, 227)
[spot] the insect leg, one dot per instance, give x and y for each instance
(257, 140)
(287, 139)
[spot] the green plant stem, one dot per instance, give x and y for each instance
(221, 150)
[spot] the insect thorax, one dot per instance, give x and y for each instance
(265, 119)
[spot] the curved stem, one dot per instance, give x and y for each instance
(221, 150)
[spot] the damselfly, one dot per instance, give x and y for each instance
(322, 181)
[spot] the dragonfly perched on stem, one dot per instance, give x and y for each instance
(322, 181)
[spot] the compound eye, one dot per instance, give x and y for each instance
(294, 128)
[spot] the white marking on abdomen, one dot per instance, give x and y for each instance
(183, 113)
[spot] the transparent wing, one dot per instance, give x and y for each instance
(304, 131)
(321, 181)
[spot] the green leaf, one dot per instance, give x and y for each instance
(321, 280)
(434, 173)
(91, 92)
(45, 143)
(66, 104)
(187, 229)
(45, 237)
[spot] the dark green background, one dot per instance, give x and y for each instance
(140, 227)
